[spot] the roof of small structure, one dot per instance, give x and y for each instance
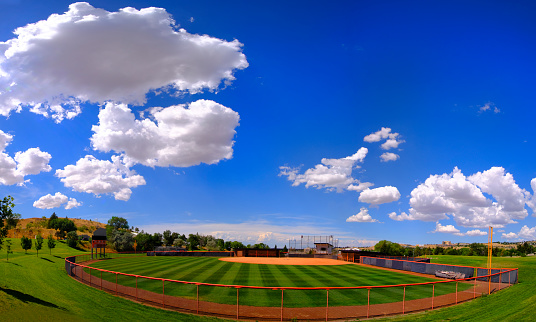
(100, 232)
(324, 244)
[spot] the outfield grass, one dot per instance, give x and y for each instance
(213, 271)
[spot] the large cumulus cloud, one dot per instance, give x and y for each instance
(90, 54)
(180, 136)
(463, 198)
(332, 174)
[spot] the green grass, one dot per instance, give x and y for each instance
(214, 271)
(38, 289)
(516, 303)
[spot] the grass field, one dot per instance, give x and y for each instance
(214, 271)
(38, 289)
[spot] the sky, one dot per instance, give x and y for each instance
(266, 121)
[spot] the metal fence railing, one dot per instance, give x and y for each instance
(286, 303)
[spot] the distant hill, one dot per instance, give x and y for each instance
(31, 227)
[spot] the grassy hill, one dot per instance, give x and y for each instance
(38, 289)
(30, 227)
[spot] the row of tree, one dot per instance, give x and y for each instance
(474, 249)
(122, 239)
(26, 244)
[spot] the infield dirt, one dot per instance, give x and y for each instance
(284, 261)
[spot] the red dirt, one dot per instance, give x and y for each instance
(284, 260)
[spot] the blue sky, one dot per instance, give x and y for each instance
(263, 121)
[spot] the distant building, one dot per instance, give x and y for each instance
(324, 248)
(446, 243)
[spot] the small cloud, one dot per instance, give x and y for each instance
(379, 195)
(388, 156)
(362, 216)
(489, 106)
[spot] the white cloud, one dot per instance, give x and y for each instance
(388, 156)
(379, 195)
(489, 106)
(180, 135)
(90, 54)
(524, 233)
(532, 201)
(30, 162)
(101, 177)
(449, 229)
(382, 134)
(463, 198)
(54, 201)
(362, 216)
(403, 216)
(360, 186)
(476, 232)
(330, 174)
(509, 235)
(385, 133)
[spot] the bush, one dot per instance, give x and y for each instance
(72, 239)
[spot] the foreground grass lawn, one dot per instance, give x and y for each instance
(38, 289)
(517, 303)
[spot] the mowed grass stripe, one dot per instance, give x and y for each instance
(211, 270)
(296, 298)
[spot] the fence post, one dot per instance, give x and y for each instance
(474, 290)
(433, 293)
(136, 287)
(237, 305)
(456, 292)
(282, 304)
(116, 283)
(163, 294)
(500, 278)
(197, 299)
(404, 301)
(327, 303)
(101, 280)
(368, 303)
(90, 276)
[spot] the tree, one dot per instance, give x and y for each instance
(115, 223)
(51, 220)
(285, 249)
(51, 243)
(8, 247)
(168, 237)
(122, 240)
(193, 241)
(62, 225)
(7, 215)
(26, 243)
(72, 239)
(38, 244)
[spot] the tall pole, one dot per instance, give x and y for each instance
(490, 253)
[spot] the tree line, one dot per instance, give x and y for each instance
(474, 249)
(122, 239)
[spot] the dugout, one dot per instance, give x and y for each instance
(354, 256)
(253, 252)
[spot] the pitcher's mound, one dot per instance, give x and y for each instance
(284, 260)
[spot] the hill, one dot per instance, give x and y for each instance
(31, 227)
